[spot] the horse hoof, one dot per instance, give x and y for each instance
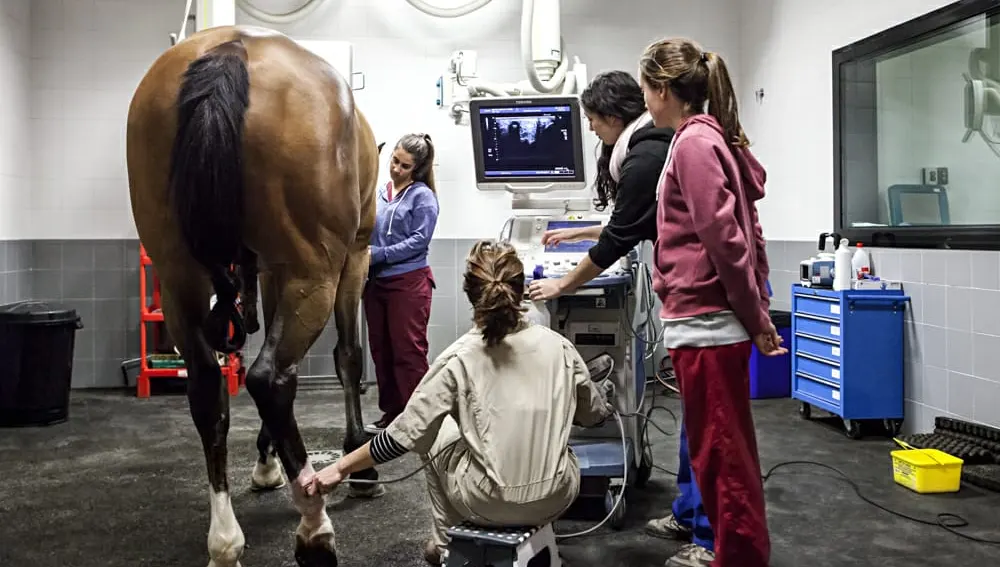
(267, 476)
(320, 551)
(368, 492)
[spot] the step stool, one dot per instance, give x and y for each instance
(521, 546)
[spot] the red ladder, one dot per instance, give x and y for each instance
(150, 311)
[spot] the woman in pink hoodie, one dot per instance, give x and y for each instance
(711, 273)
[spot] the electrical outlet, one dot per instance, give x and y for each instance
(929, 175)
(942, 176)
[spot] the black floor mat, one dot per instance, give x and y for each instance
(977, 445)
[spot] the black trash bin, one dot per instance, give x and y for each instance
(36, 362)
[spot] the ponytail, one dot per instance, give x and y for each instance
(494, 284)
(722, 103)
(428, 170)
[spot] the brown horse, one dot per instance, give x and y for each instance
(245, 149)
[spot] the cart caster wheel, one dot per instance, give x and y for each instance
(893, 426)
(644, 471)
(617, 518)
(805, 410)
(852, 428)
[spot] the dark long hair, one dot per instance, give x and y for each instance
(421, 147)
(206, 177)
(612, 94)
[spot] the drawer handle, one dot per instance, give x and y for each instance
(819, 297)
(894, 301)
(810, 336)
(815, 358)
(822, 381)
(817, 318)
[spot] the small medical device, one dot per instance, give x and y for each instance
(528, 144)
(817, 271)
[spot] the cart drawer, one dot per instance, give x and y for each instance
(814, 366)
(817, 305)
(826, 349)
(815, 391)
(821, 328)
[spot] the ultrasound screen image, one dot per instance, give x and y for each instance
(527, 142)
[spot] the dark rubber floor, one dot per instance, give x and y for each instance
(122, 483)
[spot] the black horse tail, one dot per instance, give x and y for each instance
(207, 181)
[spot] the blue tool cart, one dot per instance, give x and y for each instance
(847, 355)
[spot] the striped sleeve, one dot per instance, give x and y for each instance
(384, 448)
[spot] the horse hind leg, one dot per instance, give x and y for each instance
(349, 360)
(185, 306)
(267, 474)
(303, 308)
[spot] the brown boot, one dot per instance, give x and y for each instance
(431, 553)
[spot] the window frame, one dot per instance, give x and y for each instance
(968, 237)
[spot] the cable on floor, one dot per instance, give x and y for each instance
(946, 520)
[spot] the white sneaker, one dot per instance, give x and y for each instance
(691, 555)
(668, 528)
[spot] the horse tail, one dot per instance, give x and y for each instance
(207, 181)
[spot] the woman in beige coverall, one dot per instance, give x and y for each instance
(494, 412)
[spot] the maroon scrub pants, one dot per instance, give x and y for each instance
(715, 388)
(397, 310)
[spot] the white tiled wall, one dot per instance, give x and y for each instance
(88, 55)
(14, 88)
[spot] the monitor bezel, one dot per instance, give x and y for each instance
(577, 181)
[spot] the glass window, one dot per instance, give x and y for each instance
(920, 131)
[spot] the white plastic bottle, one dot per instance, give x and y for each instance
(842, 269)
(861, 263)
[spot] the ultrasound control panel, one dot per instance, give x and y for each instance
(555, 260)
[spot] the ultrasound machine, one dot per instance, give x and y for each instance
(532, 147)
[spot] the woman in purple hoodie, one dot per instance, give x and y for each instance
(397, 298)
(711, 274)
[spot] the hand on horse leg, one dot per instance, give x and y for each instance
(315, 543)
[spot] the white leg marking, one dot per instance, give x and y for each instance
(267, 476)
(315, 520)
(225, 537)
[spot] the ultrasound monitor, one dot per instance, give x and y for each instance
(527, 144)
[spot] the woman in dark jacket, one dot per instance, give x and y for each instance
(633, 153)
